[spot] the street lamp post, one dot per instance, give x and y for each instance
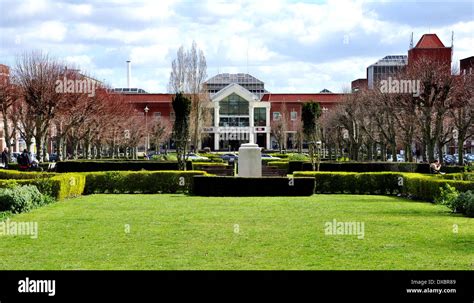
(146, 130)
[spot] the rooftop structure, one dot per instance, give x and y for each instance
(384, 68)
(249, 82)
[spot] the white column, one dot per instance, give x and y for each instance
(251, 128)
(216, 140)
(216, 126)
(216, 115)
(267, 111)
(268, 140)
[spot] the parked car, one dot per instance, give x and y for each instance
(267, 156)
(400, 158)
(456, 158)
(449, 159)
(229, 157)
(469, 158)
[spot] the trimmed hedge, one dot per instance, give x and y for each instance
(212, 158)
(140, 182)
(15, 166)
(428, 188)
(93, 166)
(360, 167)
(418, 186)
(279, 164)
(459, 176)
(57, 186)
(14, 174)
(67, 185)
(199, 165)
(244, 187)
(354, 183)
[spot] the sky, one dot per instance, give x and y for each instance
(292, 46)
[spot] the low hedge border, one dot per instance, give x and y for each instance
(459, 176)
(98, 166)
(279, 164)
(418, 186)
(68, 185)
(244, 187)
(58, 186)
(14, 174)
(140, 182)
(199, 165)
(360, 167)
(15, 166)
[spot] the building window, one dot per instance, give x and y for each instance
(260, 116)
(293, 116)
(234, 105)
(172, 116)
(276, 116)
(234, 121)
(157, 115)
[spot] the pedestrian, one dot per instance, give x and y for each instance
(24, 160)
(5, 158)
(436, 167)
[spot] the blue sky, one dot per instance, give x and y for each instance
(293, 46)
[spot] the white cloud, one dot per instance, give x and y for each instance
(53, 31)
(291, 46)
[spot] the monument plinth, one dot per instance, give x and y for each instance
(250, 160)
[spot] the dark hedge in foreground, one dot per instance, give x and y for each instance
(363, 167)
(244, 187)
(92, 166)
(417, 186)
(146, 182)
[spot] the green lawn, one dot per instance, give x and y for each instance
(182, 232)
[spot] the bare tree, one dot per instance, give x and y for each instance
(25, 125)
(462, 112)
(188, 74)
(8, 99)
(280, 127)
(349, 115)
(433, 101)
(161, 131)
(75, 108)
(37, 74)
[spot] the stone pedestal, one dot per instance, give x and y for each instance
(250, 160)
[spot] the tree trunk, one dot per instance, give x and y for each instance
(6, 133)
(394, 152)
(28, 142)
(383, 153)
(461, 148)
(330, 152)
(408, 153)
(76, 149)
(430, 151)
(440, 152)
(39, 144)
(59, 144)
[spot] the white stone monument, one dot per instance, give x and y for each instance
(250, 160)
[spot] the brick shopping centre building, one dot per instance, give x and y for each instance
(242, 105)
